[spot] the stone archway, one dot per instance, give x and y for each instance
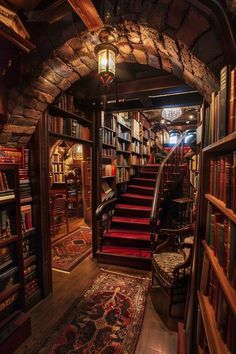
(138, 42)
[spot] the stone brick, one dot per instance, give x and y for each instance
(64, 84)
(129, 58)
(40, 96)
(73, 77)
(23, 140)
(132, 32)
(210, 41)
(18, 129)
(32, 113)
(140, 56)
(44, 85)
(59, 66)
(193, 26)
(80, 67)
(65, 52)
(185, 57)
(177, 67)
(18, 109)
(160, 46)
(50, 75)
(75, 43)
(171, 47)
(154, 61)
(34, 103)
(24, 121)
(199, 68)
(176, 13)
(5, 137)
(89, 62)
(124, 47)
(166, 63)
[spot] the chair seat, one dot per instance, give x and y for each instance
(164, 264)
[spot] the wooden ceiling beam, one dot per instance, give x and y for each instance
(88, 14)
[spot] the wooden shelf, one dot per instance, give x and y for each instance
(29, 232)
(121, 166)
(26, 200)
(8, 292)
(215, 342)
(121, 138)
(221, 206)
(109, 145)
(8, 240)
(124, 126)
(112, 176)
(7, 201)
(229, 291)
(111, 130)
(133, 137)
(127, 180)
(69, 137)
(136, 153)
(225, 144)
(56, 111)
(30, 260)
(123, 152)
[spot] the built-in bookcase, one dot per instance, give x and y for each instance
(126, 140)
(216, 228)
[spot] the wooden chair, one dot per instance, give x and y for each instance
(171, 263)
(59, 211)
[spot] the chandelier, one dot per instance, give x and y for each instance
(106, 55)
(171, 113)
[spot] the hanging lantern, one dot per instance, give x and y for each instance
(106, 54)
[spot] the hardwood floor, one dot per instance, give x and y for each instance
(154, 337)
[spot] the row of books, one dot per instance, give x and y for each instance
(136, 129)
(122, 145)
(66, 102)
(108, 170)
(108, 121)
(5, 257)
(108, 152)
(221, 237)
(146, 149)
(57, 167)
(124, 135)
(223, 179)
(108, 137)
(5, 224)
(26, 217)
(8, 278)
(124, 119)
(122, 160)
(136, 146)
(220, 117)
(11, 155)
(56, 158)
(122, 175)
(224, 317)
(68, 127)
(58, 177)
(29, 247)
(30, 288)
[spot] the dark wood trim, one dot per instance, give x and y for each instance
(96, 173)
(13, 37)
(42, 202)
(88, 14)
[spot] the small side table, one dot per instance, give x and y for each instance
(183, 205)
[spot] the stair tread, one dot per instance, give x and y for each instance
(142, 187)
(137, 196)
(133, 220)
(136, 232)
(143, 179)
(128, 235)
(127, 251)
(132, 207)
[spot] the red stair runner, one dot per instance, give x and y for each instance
(127, 251)
(133, 207)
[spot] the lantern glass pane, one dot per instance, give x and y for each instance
(112, 62)
(102, 60)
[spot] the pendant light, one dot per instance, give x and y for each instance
(106, 55)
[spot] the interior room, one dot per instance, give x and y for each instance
(117, 177)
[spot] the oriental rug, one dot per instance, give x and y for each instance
(71, 249)
(107, 318)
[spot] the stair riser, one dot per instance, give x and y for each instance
(148, 175)
(140, 191)
(130, 226)
(143, 183)
(132, 213)
(124, 261)
(135, 201)
(125, 242)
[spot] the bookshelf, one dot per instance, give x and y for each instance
(216, 231)
(125, 140)
(13, 294)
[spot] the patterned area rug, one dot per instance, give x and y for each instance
(71, 249)
(107, 318)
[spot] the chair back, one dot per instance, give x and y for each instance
(59, 205)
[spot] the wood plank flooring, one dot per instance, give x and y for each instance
(154, 337)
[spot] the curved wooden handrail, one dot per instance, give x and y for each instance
(155, 203)
(102, 206)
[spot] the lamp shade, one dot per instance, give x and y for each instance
(106, 54)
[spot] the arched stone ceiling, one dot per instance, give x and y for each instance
(171, 35)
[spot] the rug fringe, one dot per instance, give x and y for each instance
(125, 274)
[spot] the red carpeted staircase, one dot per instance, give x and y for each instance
(127, 242)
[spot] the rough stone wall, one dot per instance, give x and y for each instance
(165, 34)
